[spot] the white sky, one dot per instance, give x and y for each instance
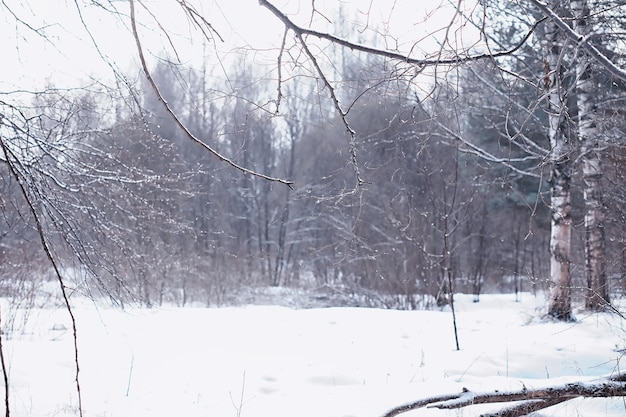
(67, 53)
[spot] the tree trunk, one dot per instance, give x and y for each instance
(560, 175)
(597, 295)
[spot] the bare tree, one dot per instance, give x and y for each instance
(562, 156)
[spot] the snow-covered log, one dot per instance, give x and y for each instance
(524, 401)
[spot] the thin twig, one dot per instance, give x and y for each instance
(239, 406)
(130, 373)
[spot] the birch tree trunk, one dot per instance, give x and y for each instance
(597, 295)
(561, 172)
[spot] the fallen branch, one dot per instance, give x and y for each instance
(525, 400)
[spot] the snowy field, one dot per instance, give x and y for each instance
(262, 361)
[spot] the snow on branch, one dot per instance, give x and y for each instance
(581, 41)
(524, 400)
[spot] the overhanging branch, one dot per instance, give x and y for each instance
(394, 55)
(177, 120)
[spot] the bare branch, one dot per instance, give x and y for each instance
(343, 114)
(177, 120)
(38, 31)
(199, 20)
(393, 55)
(525, 408)
(301, 32)
(476, 150)
(280, 72)
(162, 29)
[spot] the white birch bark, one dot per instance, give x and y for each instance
(561, 171)
(588, 135)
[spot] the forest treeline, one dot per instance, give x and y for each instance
(446, 183)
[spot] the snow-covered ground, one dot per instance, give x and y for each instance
(260, 361)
